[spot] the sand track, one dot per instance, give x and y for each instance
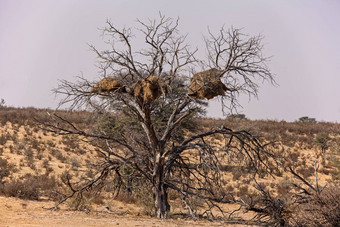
(16, 212)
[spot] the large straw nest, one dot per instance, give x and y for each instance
(147, 90)
(207, 84)
(108, 84)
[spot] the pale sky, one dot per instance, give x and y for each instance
(42, 41)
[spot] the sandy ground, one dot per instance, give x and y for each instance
(15, 212)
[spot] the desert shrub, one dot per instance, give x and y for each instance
(39, 154)
(321, 209)
(243, 190)
(49, 170)
(33, 167)
(46, 163)
(336, 145)
(75, 163)
(173, 195)
(237, 173)
(80, 151)
(30, 158)
(29, 155)
(3, 140)
(11, 149)
(30, 187)
(130, 188)
(67, 149)
(306, 171)
(322, 140)
(22, 162)
(35, 143)
(71, 143)
(22, 189)
(145, 200)
(294, 156)
(6, 169)
(325, 171)
(22, 144)
(336, 169)
(50, 143)
(126, 197)
(229, 189)
(89, 173)
(283, 188)
(17, 151)
(58, 155)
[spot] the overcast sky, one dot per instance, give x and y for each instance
(42, 41)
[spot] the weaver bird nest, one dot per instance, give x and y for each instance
(107, 85)
(145, 90)
(207, 84)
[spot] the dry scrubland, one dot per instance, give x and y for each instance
(35, 163)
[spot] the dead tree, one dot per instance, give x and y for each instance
(142, 114)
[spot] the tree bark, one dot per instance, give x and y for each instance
(160, 193)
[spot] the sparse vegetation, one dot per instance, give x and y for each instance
(16, 182)
(31, 187)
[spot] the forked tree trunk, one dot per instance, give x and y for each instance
(160, 193)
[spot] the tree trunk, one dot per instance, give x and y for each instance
(160, 193)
